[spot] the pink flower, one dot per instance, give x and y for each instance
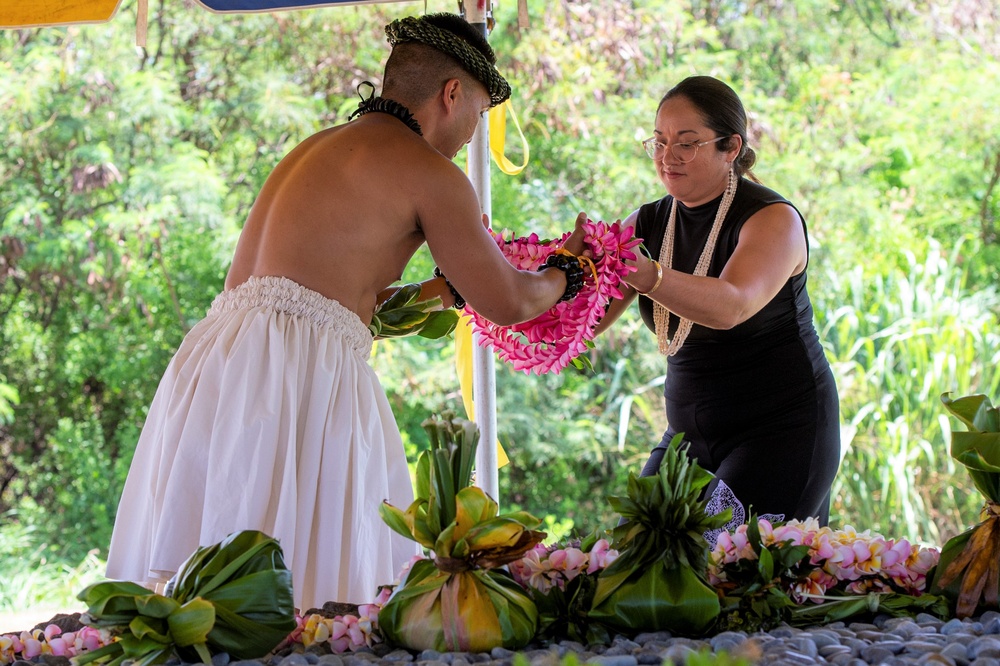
(32, 647)
(58, 647)
(569, 562)
(601, 555)
(812, 586)
(733, 546)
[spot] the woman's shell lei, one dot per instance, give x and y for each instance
(550, 341)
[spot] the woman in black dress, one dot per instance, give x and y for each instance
(725, 293)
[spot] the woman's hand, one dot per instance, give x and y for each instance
(647, 277)
(575, 243)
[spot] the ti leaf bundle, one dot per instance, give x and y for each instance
(233, 597)
(458, 600)
(658, 581)
(404, 314)
(968, 572)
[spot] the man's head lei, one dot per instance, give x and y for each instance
(413, 29)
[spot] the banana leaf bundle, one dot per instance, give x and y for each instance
(233, 597)
(404, 314)
(458, 600)
(658, 581)
(968, 573)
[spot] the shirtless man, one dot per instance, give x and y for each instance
(269, 417)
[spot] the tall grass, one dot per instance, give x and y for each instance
(30, 577)
(898, 339)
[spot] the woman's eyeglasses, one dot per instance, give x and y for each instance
(682, 152)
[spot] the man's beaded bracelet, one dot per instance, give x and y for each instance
(459, 301)
(570, 265)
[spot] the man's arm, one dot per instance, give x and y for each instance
(450, 218)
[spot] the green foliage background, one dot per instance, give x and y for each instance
(128, 172)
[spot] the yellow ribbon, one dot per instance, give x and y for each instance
(498, 138)
(463, 364)
(463, 332)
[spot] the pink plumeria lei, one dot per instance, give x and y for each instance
(544, 567)
(343, 633)
(51, 640)
(844, 560)
(346, 633)
(550, 341)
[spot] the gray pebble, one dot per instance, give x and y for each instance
(839, 659)
(892, 644)
(937, 660)
(398, 656)
(727, 640)
(358, 659)
(676, 654)
(953, 626)
(905, 629)
(955, 651)
(294, 659)
(624, 643)
(618, 660)
(984, 646)
(828, 651)
(822, 639)
(432, 655)
(331, 660)
(862, 626)
(991, 626)
(783, 632)
(922, 646)
(875, 654)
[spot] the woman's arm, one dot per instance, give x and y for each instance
(771, 249)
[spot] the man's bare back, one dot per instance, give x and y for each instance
(336, 215)
(344, 212)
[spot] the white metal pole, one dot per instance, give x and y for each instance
(484, 385)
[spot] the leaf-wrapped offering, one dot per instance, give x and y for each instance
(458, 600)
(658, 581)
(968, 573)
(233, 597)
(404, 314)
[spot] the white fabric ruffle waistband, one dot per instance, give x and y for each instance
(284, 295)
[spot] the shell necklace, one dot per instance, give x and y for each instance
(661, 315)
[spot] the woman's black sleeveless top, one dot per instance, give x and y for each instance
(749, 350)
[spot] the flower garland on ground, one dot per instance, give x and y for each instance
(552, 340)
(844, 560)
(802, 573)
(51, 640)
(343, 633)
(544, 567)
